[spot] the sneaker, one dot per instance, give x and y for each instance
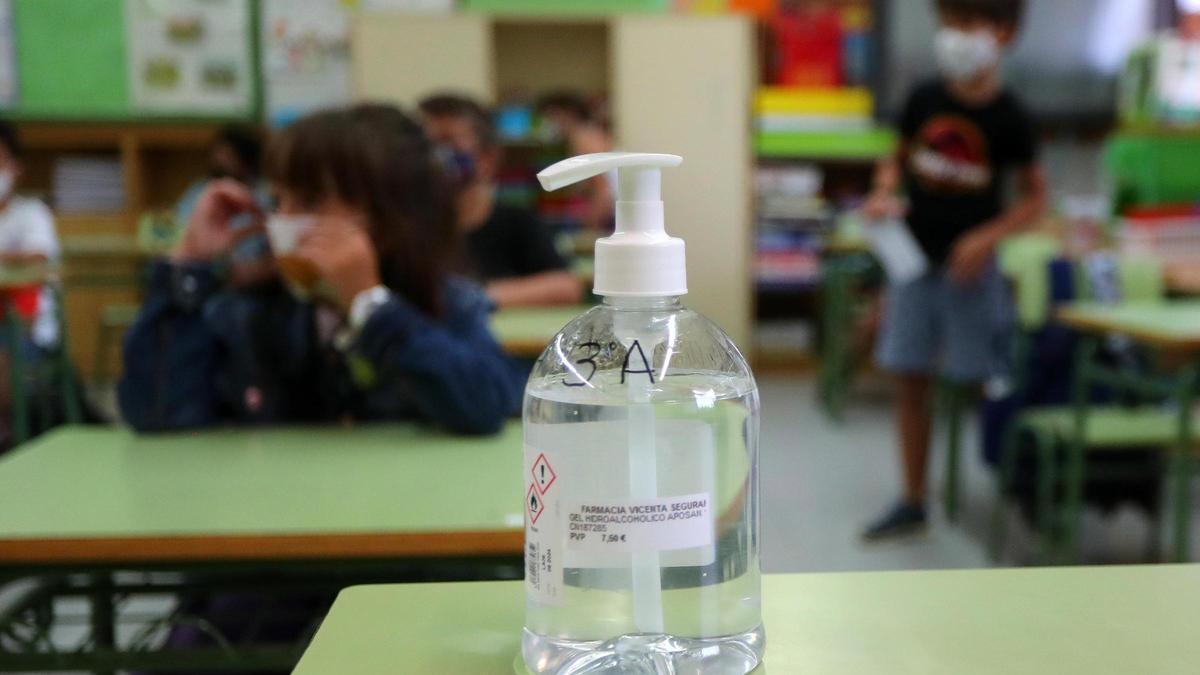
(902, 520)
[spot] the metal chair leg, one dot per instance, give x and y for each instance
(1076, 448)
(1004, 484)
(100, 367)
(1184, 462)
(834, 301)
(953, 398)
(68, 386)
(1046, 518)
(16, 372)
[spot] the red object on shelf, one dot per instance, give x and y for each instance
(808, 47)
(24, 300)
(1162, 211)
(760, 8)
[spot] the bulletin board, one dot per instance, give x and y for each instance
(74, 62)
(88, 79)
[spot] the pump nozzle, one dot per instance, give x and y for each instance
(639, 259)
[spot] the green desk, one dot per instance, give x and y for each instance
(525, 331)
(1066, 621)
(104, 494)
(1171, 328)
(276, 510)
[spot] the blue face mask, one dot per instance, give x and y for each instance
(459, 165)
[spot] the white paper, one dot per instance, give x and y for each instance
(306, 56)
(898, 253)
(639, 525)
(190, 56)
(1178, 77)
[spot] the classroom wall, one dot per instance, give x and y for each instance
(683, 85)
(401, 57)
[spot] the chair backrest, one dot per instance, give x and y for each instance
(1138, 279)
(1142, 279)
(1023, 260)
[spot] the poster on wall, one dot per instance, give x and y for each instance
(190, 56)
(306, 50)
(306, 56)
(8, 57)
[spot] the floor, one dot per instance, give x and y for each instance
(821, 482)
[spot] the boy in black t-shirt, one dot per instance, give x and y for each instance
(508, 249)
(960, 135)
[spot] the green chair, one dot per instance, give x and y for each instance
(1056, 428)
(1022, 260)
(55, 375)
(845, 265)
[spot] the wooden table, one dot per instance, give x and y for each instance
(525, 331)
(1168, 327)
(1065, 621)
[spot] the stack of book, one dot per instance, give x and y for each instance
(792, 221)
(88, 184)
(821, 123)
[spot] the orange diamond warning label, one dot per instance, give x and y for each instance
(534, 504)
(543, 475)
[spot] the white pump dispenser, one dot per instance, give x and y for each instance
(639, 259)
(640, 468)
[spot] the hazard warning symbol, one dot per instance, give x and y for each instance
(534, 504)
(543, 475)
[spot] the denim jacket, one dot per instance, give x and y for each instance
(201, 355)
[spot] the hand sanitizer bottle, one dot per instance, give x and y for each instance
(641, 476)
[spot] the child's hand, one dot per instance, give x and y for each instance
(341, 250)
(882, 205)
(208, 234)
(970, 257)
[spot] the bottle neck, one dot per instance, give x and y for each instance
(638, 303)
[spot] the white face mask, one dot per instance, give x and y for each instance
(963, 55)
(284, 231)
(7, 180)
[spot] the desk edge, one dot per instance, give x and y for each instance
(198, 548)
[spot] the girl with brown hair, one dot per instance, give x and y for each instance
(356, 316)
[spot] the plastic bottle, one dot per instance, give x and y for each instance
(641, 452)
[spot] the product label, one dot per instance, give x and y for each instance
(639, 525)
(578, 508)
(543, 547)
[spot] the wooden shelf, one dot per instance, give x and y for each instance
(110, 135)
(73, 224)
(103, 266)
(866, 145)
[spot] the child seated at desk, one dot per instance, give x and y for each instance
(507, 247)
(393, 336)
(28, 244)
